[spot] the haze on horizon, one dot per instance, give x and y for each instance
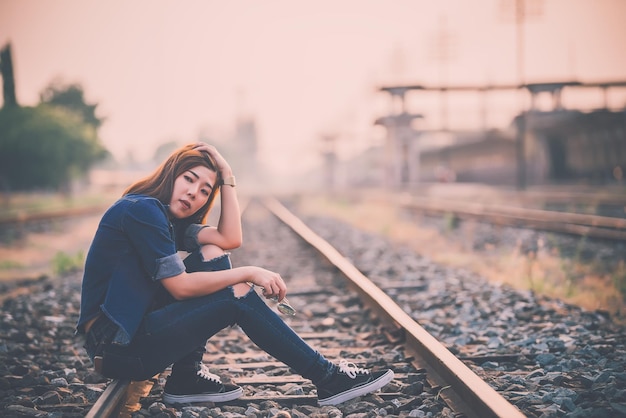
(162, 70)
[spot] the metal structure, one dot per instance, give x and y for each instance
(403, 156)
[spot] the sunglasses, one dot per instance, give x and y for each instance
(283, 306)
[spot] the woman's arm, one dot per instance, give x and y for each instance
(190, 285)
(228, 234)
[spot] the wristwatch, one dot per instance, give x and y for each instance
(229, 181)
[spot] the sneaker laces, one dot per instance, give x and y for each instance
(350, 369)
(204, 373)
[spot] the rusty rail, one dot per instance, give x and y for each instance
(474, 396)
(26, 217)
(570, 223)
(111, 401)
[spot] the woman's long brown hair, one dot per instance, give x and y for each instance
(160, 183)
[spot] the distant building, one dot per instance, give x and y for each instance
(539, 147)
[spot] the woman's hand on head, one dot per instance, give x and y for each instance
(273, 285)
(223, 168)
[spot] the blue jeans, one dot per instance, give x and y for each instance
(176, 330)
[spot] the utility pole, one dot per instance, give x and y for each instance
(521, 125)
(8, 79)
(443, 51)
(521, 11)
(329, 154)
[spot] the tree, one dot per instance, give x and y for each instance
(72, 98)
(8, 81)
(44, 147)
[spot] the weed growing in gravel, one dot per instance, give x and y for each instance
(9, 264)
(619, 278)
(451, 222)
(532, 283)
(63, 263)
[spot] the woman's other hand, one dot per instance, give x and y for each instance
(273, 285)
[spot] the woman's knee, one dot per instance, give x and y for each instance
(208, 258)
(210, 251)
(241, 289)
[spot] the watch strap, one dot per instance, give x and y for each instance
(229, 181)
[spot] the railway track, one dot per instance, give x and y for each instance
(489, 205)
(579, 197)
(420, 356)
(473, 396)
(26, 217)
(335, 322)
(594, 226)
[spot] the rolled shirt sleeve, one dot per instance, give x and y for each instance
(191, 237)
(151, 235)
(168, 266)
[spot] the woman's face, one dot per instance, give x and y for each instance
(191, 191)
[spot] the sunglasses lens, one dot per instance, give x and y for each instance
(286, 309)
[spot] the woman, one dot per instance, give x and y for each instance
(144, 308)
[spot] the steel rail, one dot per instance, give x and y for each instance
(570, 223)
(26, 217)
(477, 397)
(111, 401)
(613, 196)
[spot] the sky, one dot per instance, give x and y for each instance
(164, 70)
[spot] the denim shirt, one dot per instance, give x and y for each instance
(133, 248)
